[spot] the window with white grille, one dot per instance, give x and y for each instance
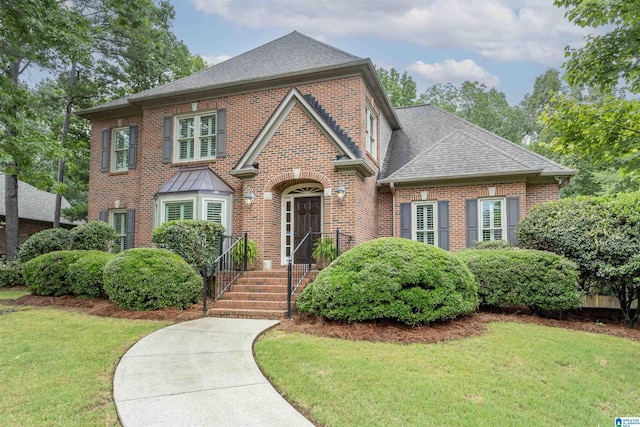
(492, 220)
(372, 132)
(119, 223)
(120, 150)
(424, 222)
(196, 137)
(178, 210)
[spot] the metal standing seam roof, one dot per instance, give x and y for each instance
(435, 144)
(195, 179)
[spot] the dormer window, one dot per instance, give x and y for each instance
(372, 131)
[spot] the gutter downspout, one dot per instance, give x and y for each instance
(392, 186)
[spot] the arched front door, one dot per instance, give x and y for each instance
(301, 211)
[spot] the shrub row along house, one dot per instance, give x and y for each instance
(263, 142)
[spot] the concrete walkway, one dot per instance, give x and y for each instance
(199, 373)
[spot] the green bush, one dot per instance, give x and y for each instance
(493, 244)
(391, 278)
(600, 234)
(196, 241)
(86, 274)
(11, 274)
(237, 253)
(519, 277)
(94, 235)
(150, 279)
(48, 274)
(45, 241)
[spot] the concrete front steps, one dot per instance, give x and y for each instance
(258, 295)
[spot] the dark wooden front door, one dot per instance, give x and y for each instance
(307, 211)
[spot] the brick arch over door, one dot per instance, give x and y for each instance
(304, 175)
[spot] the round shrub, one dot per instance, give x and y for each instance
(45, 241)
(86, 274)
(11, 274)
(47, 274)
(94, 235)
(493, 244)
(395, 279)
(196, 241)
(150, 279)
(519, 277)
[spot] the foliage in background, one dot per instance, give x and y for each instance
(401, 89)
(196, 241)
(86, 274)
(47, 274)
(151, 279)
(94, 235)
(493, 244)
(600, 234)
(395, 279)
(45, 241)
(11, 273)
(542, 281)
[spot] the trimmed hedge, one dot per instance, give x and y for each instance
(11, 274)
(86, 274)
(493, 244)
(392, 278)
(94, 235)
(43, 242)
(196, 241)
(151, 279)
(519, 277)
(48, 274)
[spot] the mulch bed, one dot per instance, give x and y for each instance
(472, 325)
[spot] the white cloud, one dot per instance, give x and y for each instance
(213, 60)
(452, 71)
(503, 30)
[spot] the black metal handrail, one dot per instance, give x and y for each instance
(219, 275)
(297, 272)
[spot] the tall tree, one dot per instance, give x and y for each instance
(545, 88)
(401, 89)
(487, 108)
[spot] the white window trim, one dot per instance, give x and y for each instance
(414, 220)
(503, 213)
(170, 199)
(112, 223)
(287, 196)
(371, 145)
(223, 202)
(196, 136)
(112, 150)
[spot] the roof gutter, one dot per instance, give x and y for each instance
(457, 177)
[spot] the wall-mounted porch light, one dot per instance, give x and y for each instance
(249, 198)
(341, 192)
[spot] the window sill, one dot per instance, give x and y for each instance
(115, 173)
(180, 164)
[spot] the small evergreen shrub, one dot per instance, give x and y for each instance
(493, 244)
(94, 235)
(43, 242)
(11, 274)
(392, 278)
(196, 241)
(151, 279)
(48, 274)
(519, 277)
(86, 274)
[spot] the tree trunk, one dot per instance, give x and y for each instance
(63, 141)
(11, 231)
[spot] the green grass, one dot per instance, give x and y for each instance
(56, 366)
(12, 293)
(513, 375)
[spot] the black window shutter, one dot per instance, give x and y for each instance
(106, 139)
(443, 224)
(513, 216)
(167, 140)
(221, 136)
(405, 220)
(133, 145)
(131, 217)
(103, 216)
(472, 222)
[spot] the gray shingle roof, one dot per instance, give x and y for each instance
(196, 179)
(290, 54)
(34, 204)
(434, 144)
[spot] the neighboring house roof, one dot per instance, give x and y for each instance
(292, 56)
(196, 179)
(436, 145)
(34, 204)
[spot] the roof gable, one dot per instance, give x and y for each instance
(434, 144)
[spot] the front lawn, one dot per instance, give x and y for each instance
(56, 366)
(513, 375)
(12, 293)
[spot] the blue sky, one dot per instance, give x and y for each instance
(502, 43)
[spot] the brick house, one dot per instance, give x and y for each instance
(285, 126)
